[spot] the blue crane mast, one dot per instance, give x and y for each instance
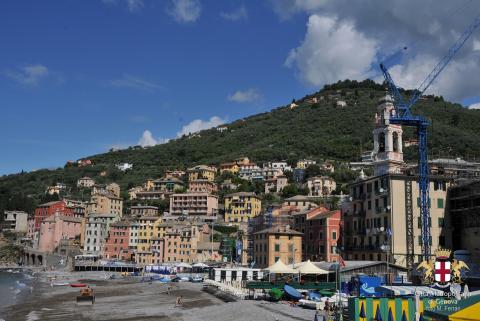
(403, 116)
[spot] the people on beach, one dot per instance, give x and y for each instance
(179, 301)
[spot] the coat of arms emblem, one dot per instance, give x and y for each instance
(441, 270)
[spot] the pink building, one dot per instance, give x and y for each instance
(56, 228)
(116, 246)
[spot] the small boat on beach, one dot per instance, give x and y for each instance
(60, 283)
(292, 292)
(78, 285)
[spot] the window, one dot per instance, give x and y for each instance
(334, 235)
(333, 249)
(277, 247)
(369, 205)
(441, 222)
(440, 203)
(277, 258)
(321, 249)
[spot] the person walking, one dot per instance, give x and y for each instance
(179, 301)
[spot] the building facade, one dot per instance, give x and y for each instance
(321, 230)
(201, 172)
(56, 228)
(202, 185)
(321, 186)
(48, 209)
(276, 243)
(464, 202)
(117, 242)
(240, 207)
(201, 204)
(15, 221)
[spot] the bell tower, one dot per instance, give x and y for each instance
(387, 140)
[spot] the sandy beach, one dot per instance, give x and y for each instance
(128, 299)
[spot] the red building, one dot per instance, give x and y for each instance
(321, 229)
(48, 209)
(116, 246)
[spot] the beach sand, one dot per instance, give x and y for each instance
(128, 299)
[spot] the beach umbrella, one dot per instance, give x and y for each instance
(390, 315)
(378, 315)
(362, 311)
(404, 316)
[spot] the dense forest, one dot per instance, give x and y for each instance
(320, 131)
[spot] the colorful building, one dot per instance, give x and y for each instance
(240, 207)
(15, 221)
(321, 233)
(229, 167)
(201, 172)
(48, 209)
(202, 185)
(276, 243)
(117, 243)
(198, 204)
(321, 186)
(56, 228)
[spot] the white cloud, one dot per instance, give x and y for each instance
(245, 96)
(236, 15)
(332, 50)
(427, 28)
(198, 125)
(132, 5)
(29, 75)
(129, 81)
(147, 139)
(474, 106)
(185, 11)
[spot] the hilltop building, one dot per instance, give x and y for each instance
(201, 172)
(321, 186)
(85, 182)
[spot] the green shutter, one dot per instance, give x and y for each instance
(440, 203)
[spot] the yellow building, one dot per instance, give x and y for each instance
(202, 172)
(239, 207)
(304, 163)
(146, 232)
(229, 167)
(279, 242)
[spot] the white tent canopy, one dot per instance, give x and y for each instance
(280, 267)
(310, 268)
(184, 265)
(200, 265)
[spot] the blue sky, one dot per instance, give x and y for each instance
(78, 77)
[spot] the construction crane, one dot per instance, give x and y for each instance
(403, 116)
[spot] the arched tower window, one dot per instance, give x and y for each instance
(381, 143)
(395, 141)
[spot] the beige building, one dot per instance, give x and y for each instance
(321, 186)
(105, 203)
(194, 204)
(202, 185)
(276, 243)
(239, 207)
(15, 221)
(276, 184)
(301, 202)
(143, 210)
(202, 172)
(167, 184)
